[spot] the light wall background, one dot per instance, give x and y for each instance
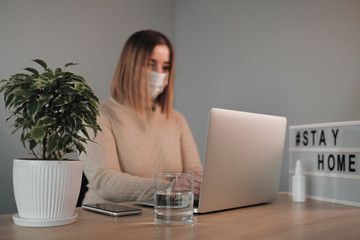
(298, 59)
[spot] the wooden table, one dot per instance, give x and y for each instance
(281, 219)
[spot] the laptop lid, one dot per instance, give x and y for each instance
(243, 159)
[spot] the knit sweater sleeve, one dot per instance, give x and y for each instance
(189, 151)
(106, 178)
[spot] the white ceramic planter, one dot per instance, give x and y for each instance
(46, 192)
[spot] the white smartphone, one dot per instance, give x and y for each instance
(112, 209)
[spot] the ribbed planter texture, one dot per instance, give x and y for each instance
(46, 191)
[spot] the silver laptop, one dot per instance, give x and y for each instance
(243, 160)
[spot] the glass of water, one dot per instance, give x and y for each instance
(174, 197)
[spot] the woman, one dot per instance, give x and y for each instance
(141, 133)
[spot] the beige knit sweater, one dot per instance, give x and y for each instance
(121, 165)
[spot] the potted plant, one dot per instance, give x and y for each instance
(54, 110)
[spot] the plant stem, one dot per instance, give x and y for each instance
(44, 146)
(34, 154)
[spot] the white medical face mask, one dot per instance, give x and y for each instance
(158, 81)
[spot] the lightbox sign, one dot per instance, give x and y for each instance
(330, 155)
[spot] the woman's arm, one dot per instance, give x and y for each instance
(103, 170)
(190, 156)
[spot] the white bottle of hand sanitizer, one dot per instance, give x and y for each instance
(298, 184)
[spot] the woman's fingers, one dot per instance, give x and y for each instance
(197, 181)
(183, 183)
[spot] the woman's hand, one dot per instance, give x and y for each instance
(183, 183)
(197, 181)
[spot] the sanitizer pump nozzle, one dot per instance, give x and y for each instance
(298, 184)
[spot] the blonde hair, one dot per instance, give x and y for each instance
(130, 83)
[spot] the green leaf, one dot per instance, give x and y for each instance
(44, 100)
(59, 101)
(68, 89)
(33, 108)
(66, 141)
(8, 100)
(16, 129)
(40, 83)
(79, 147)
(90, 94)
(18, 101)
(5, 86)
(78, 78)
(46, 97)
(48, 75)
(45, 121)
(58, 154)
(19, 122)
(38, 133)
(85, 133)
(41, 62)
(93, 108)
(23, 93)
(32, 145)
(95, 129)
(57, 71)
(69, 150)
(70, 64)
(79, 86)
(34, 71)
(22, 138)
(71, 122)
(52, 143)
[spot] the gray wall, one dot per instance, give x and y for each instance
(296, 58)
(299, 59)
(89, 32)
